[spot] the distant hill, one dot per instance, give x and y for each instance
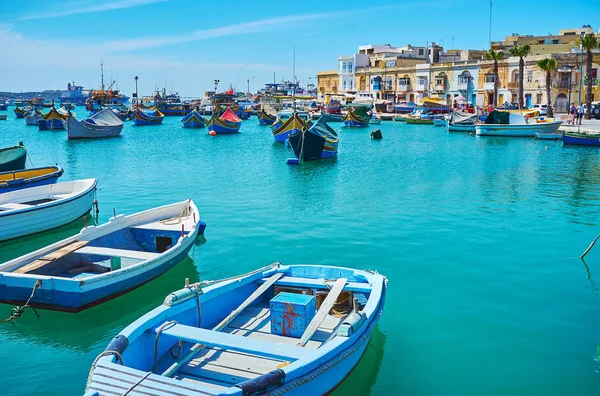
(48, 94)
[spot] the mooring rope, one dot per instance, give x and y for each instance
(177, 219)
(103, 353)
(17, 311)
(164, 326)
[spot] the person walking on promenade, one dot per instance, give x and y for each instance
(580, 111)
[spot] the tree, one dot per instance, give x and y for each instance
(495, 56)
(521, 51)
(549, 66)
(588, 43)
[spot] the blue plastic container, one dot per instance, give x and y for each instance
(291, 313)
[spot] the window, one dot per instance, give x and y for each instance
(350, 67)
(404, 81)
(530, 76)
(422, 80)
(390, 63)
(351, 84)
(344, 84)
(539, 98)
(490, 78)
(440, 80)
(463, 79)
(421, 52)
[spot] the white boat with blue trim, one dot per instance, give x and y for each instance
(36, 209)
(500, 123)
(293, 329)
(102, 262)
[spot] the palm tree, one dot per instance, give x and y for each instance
(588, 43)
(521, 51)
(495, 56)
(549, 66)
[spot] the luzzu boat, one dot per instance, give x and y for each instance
(356, 117)
(194, 120)
(101, 263)
(13, 158)
(296, 122)
(52, 120)
(228, 122)
(282, 329)
(33, 117)
(501, 123)
(284, 115)
(320, 141)
(104, 123)
(581, 139)
(151, 116)
(26, 178)
(20, 112)
(265, 118)
(418, 120)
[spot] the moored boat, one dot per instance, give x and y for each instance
(581, 139)
(548, 135)
(194, 120)
(439, 120)
(461, 122)
(228, 122)
(501, 123)
(20, 112)
(356, 117)
(103, 262)
(33, 117)
(104, 123)
(319, 141)
(3, 117)
(418, 120)
(265, 118)
(37, 209)
(52, 120)
(26, 178)
(151, 116)
(259, 333)
(13, 158)
(290, 124)
(374, 120)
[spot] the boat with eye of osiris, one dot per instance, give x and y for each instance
(228, 122)
(194, 120)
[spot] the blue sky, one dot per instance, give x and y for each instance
(190, 43)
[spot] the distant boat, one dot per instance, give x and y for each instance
(356, 117)
(32, 210)
(194, 120)
(228, 122)
(33, 117)
(328, 117)
(2, 106)
(13, 158)
(101, 263)
(320, 141)
(405, 107)
(265, 118)
(290, 123)
(27, 178)
(581, 139)
(501, 123)
(461, 122)
(20, 112)
(418, 120)
(104, 123)
(259, 333)
(374, 120)
(3, 117)
(52, 120)
(147, 117)
(439, 120)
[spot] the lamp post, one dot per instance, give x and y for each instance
(570, 85)
(580, 69)
(136, 91)
(248, 81)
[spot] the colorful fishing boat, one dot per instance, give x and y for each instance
(439, 120)
(20, 112)
(52, 120)
(461, 122)
(33, 117)
(581, 139)
(284, 115)
(265, 118)
(26, 178)
(319, 141)
(502, 123)
(282, 329)
(31, 210)
(101, 263)
(13, 158)
(356, 117)
(292, 124)
(104, 123)
(228, 122)
(151, 116)
(418, 120)
(194, 120)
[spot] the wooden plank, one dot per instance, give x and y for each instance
(194, 350)
(50, 257)
(323, 311)
(319, 284)
(104, 251)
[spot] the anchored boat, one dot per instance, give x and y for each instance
(462, 122)
(581, 139)
(228, 122)
(33, 117)
(288, 123)
(26, 178)
(104, 123)
(320, 141)
(53, 120)
(151, 116)
(102, 262)
(265, 118)
(356, 117)
(13, 158)
(294, 329)
(502, 123)
(194, 120)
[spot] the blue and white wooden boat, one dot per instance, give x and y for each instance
(194, 120)
(147, 117)
(101, 263)
(27, 178)
(228, 122)
(52, 120)
(356, 117)
(235, 338)
(581, 139)
(20, 112)
(265, 118)
(13, 158)
(461, 122)
(320, 141)
(33, 117)
(31, 210)
(289, 124)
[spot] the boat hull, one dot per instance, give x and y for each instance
(423, 121)
(20, 181)
(581, 140)
(460, 127)
(14, 162)
(141, 118)
(50, 125)
(222, 126)
(526, 130)
(82, 130)
(194, 120)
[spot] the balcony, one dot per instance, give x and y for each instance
(440, 87)
(463, 86)
(404, 87)
(420, 87)
(488, 86)
(561, 84)
(513, 84)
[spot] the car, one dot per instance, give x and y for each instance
(541, 108)
(595, 111)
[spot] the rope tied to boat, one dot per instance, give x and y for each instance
(17, 311)
(95, 362)
(177, 219)
(159, 330)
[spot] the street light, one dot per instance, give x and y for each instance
(136, 91)
(248, 81)
(570, 85)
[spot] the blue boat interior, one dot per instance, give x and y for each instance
(242, 334)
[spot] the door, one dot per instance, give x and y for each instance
(527, 100)
(561, 103)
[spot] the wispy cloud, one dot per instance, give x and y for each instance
(76, 8)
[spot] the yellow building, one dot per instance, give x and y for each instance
(327, 83)
(564, 42)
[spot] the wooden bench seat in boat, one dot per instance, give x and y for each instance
(156, 225)
(292, 281)
(56, 197)
(236, 343)
(14, 206)
(104, 251)
(50, 257)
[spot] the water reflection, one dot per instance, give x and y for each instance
(589, 276)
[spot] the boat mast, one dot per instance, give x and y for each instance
(294, 81)
(102, 74)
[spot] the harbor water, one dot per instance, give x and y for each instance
(479, 238)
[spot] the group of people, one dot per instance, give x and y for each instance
(577, 113)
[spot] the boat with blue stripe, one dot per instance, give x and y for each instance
(26, 178)
(194, 120)
(53, 120)
(356, 117)
(581, 139)
(320, 141)
(293, 329)
(150, 116)
(265, 118)
(290, 122)
(101, 263)
(228, 122)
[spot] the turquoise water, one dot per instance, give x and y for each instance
(479, 238)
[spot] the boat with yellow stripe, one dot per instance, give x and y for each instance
(147, 117)
(52, 120)
(194, 120)
(292, 122)
(228, 122)
(265, 118)
(26, 178)
(356, 117)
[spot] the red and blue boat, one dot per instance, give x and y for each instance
(148, 117)
(228, 122)
(194, 120)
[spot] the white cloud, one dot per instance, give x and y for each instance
(76, 8)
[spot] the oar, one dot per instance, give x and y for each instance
(197, 347)
(323, 311)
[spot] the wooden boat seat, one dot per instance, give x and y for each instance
(156, 225)
(14, 206)
(50, 257)
(236, 343)
(56, 197)
(103, 251)
(292, 281)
